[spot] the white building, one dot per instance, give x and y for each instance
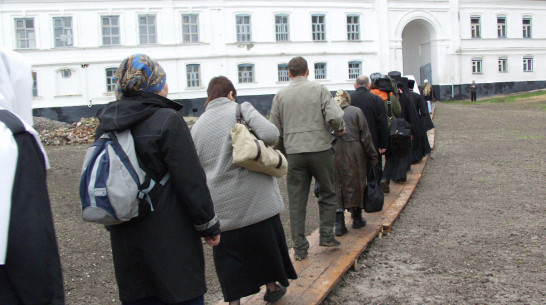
(75, 46)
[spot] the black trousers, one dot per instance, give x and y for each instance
(472, 96)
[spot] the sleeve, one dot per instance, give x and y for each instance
(333, 115)
(275, 119)
(263, 129)
(188, 177)
(382, 125)
(366, 138)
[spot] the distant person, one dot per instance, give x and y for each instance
(304, 111)
(253, 251)
(427, 91)
(158, 258)
(353, 152)
(30, 267)
(473, 91)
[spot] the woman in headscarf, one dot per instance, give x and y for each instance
(253, 251)
(30, 267)
(354, 151)
(158, 258)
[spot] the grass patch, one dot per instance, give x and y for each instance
(501, 99)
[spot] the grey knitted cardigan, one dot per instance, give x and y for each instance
(240, 197)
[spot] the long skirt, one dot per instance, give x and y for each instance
(249, 257)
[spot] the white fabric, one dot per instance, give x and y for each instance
(16, 97)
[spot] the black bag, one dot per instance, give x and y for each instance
(400, 137)
(373, 195)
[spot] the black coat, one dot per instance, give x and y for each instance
(424, 119)
(161, 254)
(32, 272)
(374, 110)
(409, 113)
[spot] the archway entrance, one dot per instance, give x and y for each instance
(416, 50)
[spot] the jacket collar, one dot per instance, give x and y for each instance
(362, 89)
(218, 103)
(299, 80)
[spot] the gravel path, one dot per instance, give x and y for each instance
(473, 232)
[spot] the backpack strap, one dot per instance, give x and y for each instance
(389, 106)
(12, 121)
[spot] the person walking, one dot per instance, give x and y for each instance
(30, 266)
(303, 112)
(158, 259)
(353, 152)
(253, 251)
(423, 148)
(428, 93)
(473, 91)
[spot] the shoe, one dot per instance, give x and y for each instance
(385, 186)
(358, 221)
(300, 256)
(340, 227)
(331, 243)
(274, 296)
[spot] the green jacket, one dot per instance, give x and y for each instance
(396, 110)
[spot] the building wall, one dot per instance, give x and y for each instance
(449, 46)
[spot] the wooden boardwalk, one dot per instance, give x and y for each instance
(324, 267)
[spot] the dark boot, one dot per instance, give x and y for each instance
(358, 221)
(340, 228)
(385, 185)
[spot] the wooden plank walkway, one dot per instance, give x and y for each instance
(324, 267)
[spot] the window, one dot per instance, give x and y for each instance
(62, 27)
(243, 28)
(526, 27)
(503, 65)
(501, 27)
(66, 73)
(475, 27)
(527, 64)
(355, 68)
(190, 28)
(110, 83)
(353, 27)
(34, 84)
(318, 27)
(193, 75)
(246, 73)
(24, 33)
(283, 73)
(147, 29)
(320, 70)
(110, 30)
(476, 66)
(281, 27)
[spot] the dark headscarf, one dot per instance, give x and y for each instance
(139, 73)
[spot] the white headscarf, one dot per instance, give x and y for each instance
(15, 96)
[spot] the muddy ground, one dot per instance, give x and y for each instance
(473, 232)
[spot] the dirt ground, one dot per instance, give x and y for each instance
(473, 232)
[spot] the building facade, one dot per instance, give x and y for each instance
(75, 46)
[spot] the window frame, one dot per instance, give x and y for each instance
(30, 42)
(250, 74)
(477, 66)
(528, 63)
(243, 30)
(282, 73)
(527, 28)
(353, 75)
(68, 31)
(317, 71)
(188, 35)
(318, 28)
(110, 27)
(193, 78)
(147, 25)
(280, 35)
(501, 27)
(503, 65)
(34, 84)
(352, 33)
(476, 28)
(110, 83)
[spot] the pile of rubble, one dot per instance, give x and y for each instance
(59, 133)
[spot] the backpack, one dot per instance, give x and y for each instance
(400, 137)
(393, 108)
(113, 187)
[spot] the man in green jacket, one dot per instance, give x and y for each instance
(304, 111)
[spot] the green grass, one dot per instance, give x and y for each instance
(501, 99)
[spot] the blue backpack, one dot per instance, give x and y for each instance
(113, 187)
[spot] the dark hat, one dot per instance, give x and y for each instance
(396, 75)
(411, 83)
(375, 76)
(404, 81)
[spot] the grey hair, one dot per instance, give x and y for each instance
(362, 80)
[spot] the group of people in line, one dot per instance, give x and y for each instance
(158, 259)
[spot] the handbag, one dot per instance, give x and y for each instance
(373, 195)
(252, 153)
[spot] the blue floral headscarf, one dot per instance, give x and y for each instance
(139, 73)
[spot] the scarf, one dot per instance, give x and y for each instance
(342, 98)
(139, 73)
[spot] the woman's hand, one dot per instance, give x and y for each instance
(213, 240)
